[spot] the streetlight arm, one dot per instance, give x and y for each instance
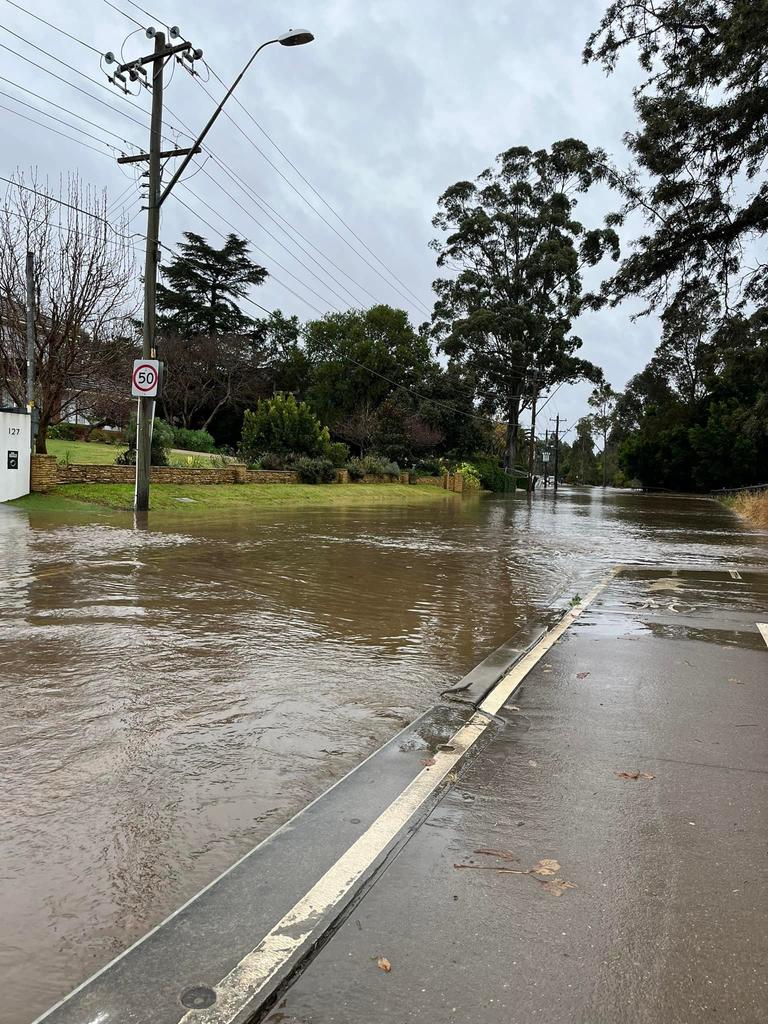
(198, 141)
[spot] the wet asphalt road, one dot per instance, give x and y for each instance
(656, 912)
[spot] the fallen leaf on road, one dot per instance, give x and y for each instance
(634, 775)
(383, 964)
(533, 764)
(428, 762)
(557, 886)
(582, 675)
(545, 867)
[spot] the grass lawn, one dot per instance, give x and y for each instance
(82, 452)
(212, 497)
(95, 453)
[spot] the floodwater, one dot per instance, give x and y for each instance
(172, 694)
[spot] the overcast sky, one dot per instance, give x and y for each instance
(393, 102)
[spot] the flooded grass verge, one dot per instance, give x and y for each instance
(189, 498)
(752, 507)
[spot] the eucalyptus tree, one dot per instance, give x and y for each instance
(513, 253)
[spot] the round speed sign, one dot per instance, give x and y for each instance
(145, 378)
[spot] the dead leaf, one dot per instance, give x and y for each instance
(634, 775)
(545, 867)
(501, 854)
(582, 675)
(428, 762)
(383, 964)
(533, 764)
(557, 886)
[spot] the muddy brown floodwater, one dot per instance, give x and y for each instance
(170, 695)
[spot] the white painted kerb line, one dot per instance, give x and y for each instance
(255, 971)
(763, 627)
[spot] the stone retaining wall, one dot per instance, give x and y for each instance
(46, 474)
(43, 473)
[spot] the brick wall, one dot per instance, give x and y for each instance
(432, 481)
(43, 473)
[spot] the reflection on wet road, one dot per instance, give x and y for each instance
(171, 695)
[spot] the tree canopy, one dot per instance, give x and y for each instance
(202, 286)
(700, 147)
(513, 252)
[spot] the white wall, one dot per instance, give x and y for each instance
(15, 436)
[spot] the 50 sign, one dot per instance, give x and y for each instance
(145, 378)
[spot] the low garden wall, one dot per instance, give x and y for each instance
(46, 474)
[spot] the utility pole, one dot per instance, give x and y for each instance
(532, 446)
(135, 72)
(146, 412)
(30, 318)
(546, 457)
(557, 449)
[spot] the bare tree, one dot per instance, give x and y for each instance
(360, 427)
(85, 288)
(206, 373)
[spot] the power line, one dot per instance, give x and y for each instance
(55, 27)
(319, 195)
(58, 120)
(208, 206)
(412, 294)
(272, 276)
(69, 206)
(41, 124)
(107, 2)
(273, 237)
(309, 204)
(276, 217)
(72, 85)
(72, 113)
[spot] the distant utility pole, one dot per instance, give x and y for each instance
(546, 457)
(135, 71)
(557, 448)
(532, 446)
(31, 333)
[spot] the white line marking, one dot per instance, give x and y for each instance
(763, 627)
(734, 574)
(255, 971)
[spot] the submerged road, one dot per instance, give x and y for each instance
(586, 842)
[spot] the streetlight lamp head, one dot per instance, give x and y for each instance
(295, 37)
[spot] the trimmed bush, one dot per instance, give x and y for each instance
(283, 426)
(162, 440)
(193, 440)
(270, 460)
(315, 471)
(376, 465)
(338, 453)
(356, 469)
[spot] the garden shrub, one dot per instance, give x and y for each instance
(428, 467)
(356, 469)
(492, 476)
(193, 440)
(376, 465)
(162, 441)
(283, 426)
(338, 453)
(470, 474)
(271, 460)
(315, 471)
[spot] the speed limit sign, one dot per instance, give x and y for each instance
(145, 378)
